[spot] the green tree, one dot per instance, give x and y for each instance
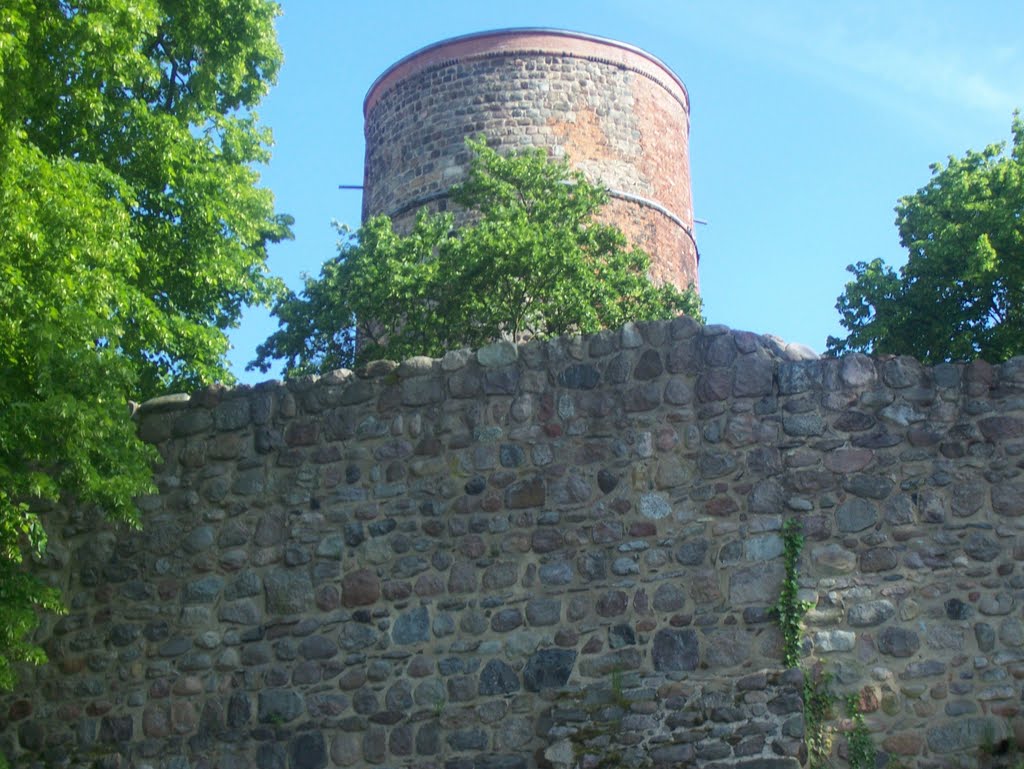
(532, 261)
(133, 233)
(960, 295)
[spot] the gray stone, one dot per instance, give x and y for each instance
(593, 565)
(870, 613)
(857, 370)
(557, 573)
(625, 566)
(762, 548)
(649, 366)
(548, 669)
(767, 763)
(360, 588)
(833, 559)
(611, 603)
(878, 559)
(199, 539)
(472, 738)
(288, 592)
(203, 590)
(422, 390)
(985, 636)
(375, 744)
(307, 751)
(317, 647)
(428, 739)
(803, 425)
(409, 566)
(365, 702)
(1008, 498)
(279, 706)
(898, 642)
(412, 627)
(525, 494)
(346, 749)
(500, 353)
(798, 377)
(511, 455)
(727, 647)
(399, 696)
(654, 506)
(958, 610)
(856, 515)
(960, 734)
(501, 381)
(715, 464)
(621, 635)
(1011, 632)
(714, 385)
(758, 583)
(996, 605)
(753, 377)
(607, 481)
(543, 611)
(981, 548)
(668, 598)
(498, 678)
(869, 486)
(678, 392)
(579, 376)
(834, 640)
(239, 710)
(902, 414)
(675, 650)
(642, 398)
(245, 585)
(924, 669)
(767, 496)
(672, 755)
(692, 552)
(1001, 428)
(506, 620)
(504, 760)
(240, 613)
(271, 755)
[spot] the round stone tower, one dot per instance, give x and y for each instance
(618, 113)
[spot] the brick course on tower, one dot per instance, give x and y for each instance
(618, 113)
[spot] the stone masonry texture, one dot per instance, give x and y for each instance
(556, 554)
(617, 113)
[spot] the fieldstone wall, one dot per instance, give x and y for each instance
(618, 113)
(553, 555)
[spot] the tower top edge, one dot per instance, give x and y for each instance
(511, 40)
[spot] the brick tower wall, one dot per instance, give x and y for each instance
(619, 115)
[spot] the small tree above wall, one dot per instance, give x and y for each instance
(532, 262)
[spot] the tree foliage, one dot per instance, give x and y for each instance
(960, 295)
(532, 261)
(133, 233)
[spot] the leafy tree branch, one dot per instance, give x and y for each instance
(960, 295)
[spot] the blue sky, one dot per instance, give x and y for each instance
(809, 120)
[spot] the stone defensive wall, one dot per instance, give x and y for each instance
(620, 115)
(557, 554)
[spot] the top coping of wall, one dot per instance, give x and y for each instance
(558, 42)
